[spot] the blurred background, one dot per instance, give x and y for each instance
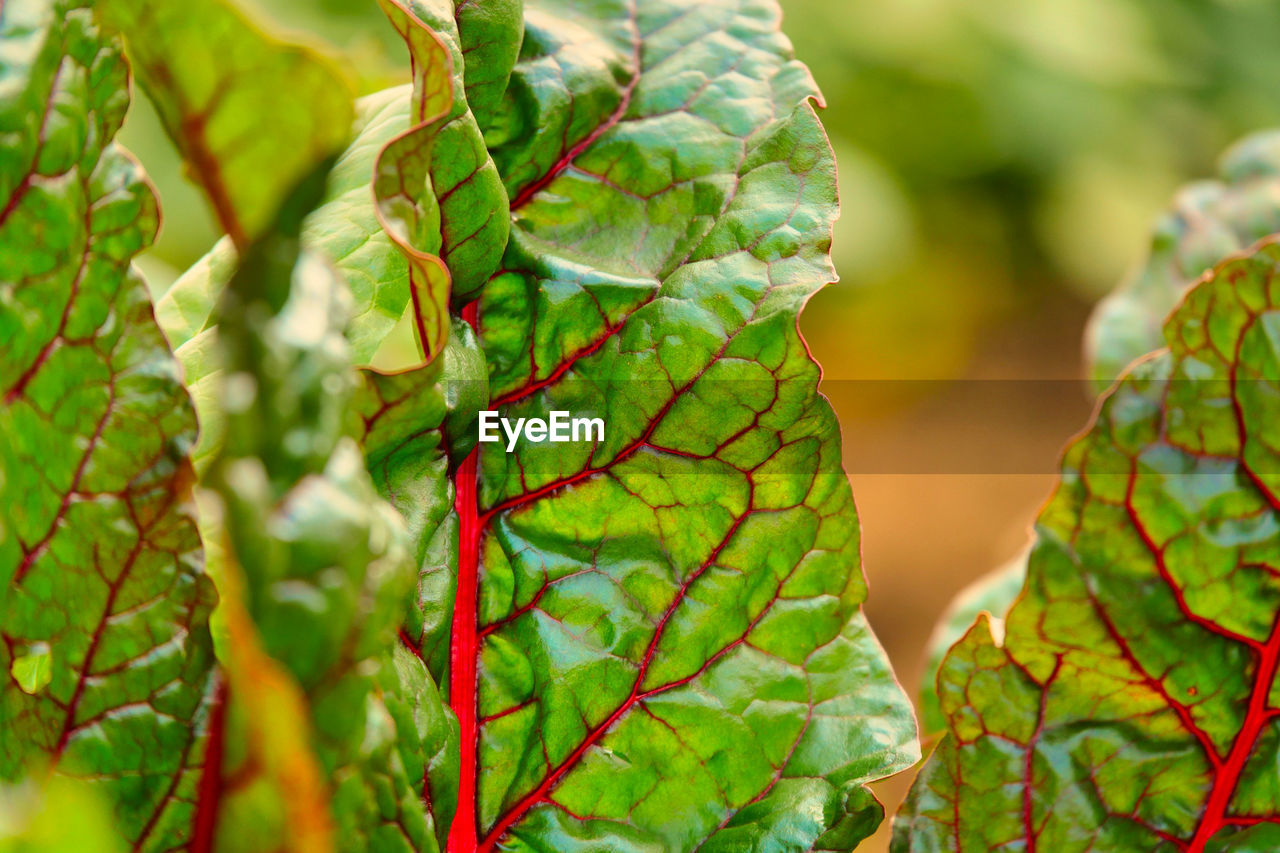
(1001, 163)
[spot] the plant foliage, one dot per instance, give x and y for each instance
(650, 641)
(1131, 705)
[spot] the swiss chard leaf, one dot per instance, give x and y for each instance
(1132, 705)
(657, 640)
(1208, 221)
(439, 194)
(104, 608)
(992, 594)
(215, 78)
(652, 640)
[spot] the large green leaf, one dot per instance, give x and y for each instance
(657, 642)
(1207, 222)
(249, 113)
(654, 641)
(320, 575)
(103, 605)
(1132, 705)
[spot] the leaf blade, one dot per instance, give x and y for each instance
(1143, 647)
(98, 549)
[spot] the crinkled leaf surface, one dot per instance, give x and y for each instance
(324, 572)
(103, 605)
(1133, 704)
(427, 202)
(215, 78)
(658, 642)
(1208, 221)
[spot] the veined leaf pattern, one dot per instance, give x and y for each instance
(656, 638)
(319, 575)
(1207, 222)
(104, 607)
(657, 641)
(1132, 705)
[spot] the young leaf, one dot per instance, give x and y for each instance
(1132, 705)
(104, 608)
(490, 35)
(657, 641)
(1208, 221)
(215, 78)
(427, 203)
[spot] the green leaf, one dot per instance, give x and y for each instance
(664, 625)
(1209, 220)
(215, 78)
(1132, 705)
(455, 211)
(659, 635)
(428, 200)
(35, 821)
(320, 576)
(103, 605)
(490, 37)
(992, 594)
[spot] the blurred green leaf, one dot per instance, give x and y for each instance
(214, 78)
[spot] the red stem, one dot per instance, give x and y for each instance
(209, 791)
(464, 645)
(1256, 718)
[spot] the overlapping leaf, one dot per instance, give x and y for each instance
(323, 573)
(1133, 704)
(664, 626)
(1207, 222)
(439, 196)
(103, 605)
(250, 114)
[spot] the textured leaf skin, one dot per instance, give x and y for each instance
(666, 636)
(698, 662)
(428, 203)
(1133, 703)
(325, 573)
(414, 422)
(103, 605)
(1208, 221)
(213, 77)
